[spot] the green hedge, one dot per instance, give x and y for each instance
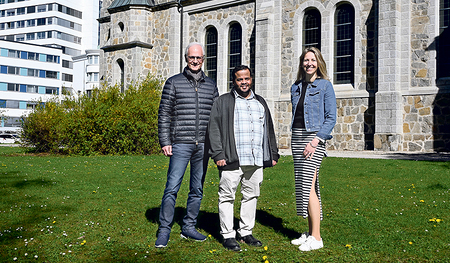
(106, 122)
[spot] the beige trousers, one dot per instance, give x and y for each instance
(250, 178)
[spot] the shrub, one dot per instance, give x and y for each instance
(107, 122)
(41, 128)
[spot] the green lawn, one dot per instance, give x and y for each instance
(105, 208)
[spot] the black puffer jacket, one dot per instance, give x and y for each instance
(184, 109)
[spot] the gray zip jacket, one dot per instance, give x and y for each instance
(221, 133)
(184, 109)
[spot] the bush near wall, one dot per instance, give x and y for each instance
(106, 122)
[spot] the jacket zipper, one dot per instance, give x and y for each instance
(197, 112)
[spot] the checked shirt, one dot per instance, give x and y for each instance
(249, 130)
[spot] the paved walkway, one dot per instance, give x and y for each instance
(417, 156)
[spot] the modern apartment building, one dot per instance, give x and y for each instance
(55, 32)
(28, 73)
(88, 63)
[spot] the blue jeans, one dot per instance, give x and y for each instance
(182, 155)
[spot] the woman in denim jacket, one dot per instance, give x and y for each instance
(313, 119)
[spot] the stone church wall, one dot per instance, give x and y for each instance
(421, 101)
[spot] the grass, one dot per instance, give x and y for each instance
(105, 208)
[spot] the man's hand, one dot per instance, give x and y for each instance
(221, 162)
(274, 162)
(167, 150)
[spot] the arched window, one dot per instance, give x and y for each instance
(121, 65)
(252, 43)
(211, 53)
(234, 49)
(311, 29)
(344, 39)
(443, 56)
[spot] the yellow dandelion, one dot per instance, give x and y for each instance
(267, 261)
(54, 222)
(265, 248)
(265, 257)
(432, 219)
(209, 236)
(348, 246)
(422, 201)
(410, 242)
(438, 220)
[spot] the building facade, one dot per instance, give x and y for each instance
(87, 63)
(28, 74)
(43, 27)
(388, 60)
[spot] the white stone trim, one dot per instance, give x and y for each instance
(222, 62)
(202, 39)
(116, 69)
(405, 45)
(433, 29)
(357, 37)
(327, 36)
(174, 39)
(212, 5)
(298, 30)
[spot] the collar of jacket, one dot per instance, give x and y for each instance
(190, 78)
(234, 92)
(314, 83)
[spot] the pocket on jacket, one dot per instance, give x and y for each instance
(315, 96)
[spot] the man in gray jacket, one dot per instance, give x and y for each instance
(183, 116)
(242, 144)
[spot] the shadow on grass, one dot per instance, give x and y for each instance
(15, 179)
(437, 186)
(206, 220)
(17, 229)
(209, 222)
(31, 183)
(276, 223)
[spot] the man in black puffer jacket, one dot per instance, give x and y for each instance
(183, 117)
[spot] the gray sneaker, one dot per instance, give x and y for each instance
(163, 239)
(193, 234)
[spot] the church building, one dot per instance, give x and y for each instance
(388, 60)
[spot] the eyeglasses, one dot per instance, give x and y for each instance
(192, 58)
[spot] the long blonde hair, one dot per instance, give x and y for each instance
(321, 65)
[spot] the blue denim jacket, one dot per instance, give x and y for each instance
(319, 107)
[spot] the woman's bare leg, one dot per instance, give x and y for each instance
(314, 211)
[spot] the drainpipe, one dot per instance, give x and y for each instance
(180, 10)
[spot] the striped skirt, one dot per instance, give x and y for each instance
(304, 169)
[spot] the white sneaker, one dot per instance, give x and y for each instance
(301, 239)
(311, 244)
